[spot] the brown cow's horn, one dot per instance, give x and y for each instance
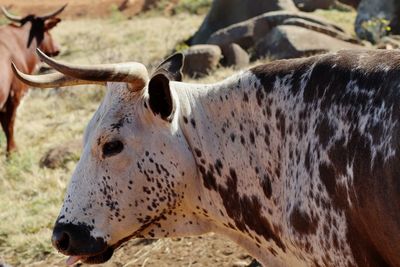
(53, 14)
(10, 16)
(134, 73)
(49, 80)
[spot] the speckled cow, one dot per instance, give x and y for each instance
(297, 161)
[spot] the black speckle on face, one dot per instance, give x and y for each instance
(118, 125)
(245, 97)
(193, 122)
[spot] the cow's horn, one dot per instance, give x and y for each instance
(53, 14)
(49, 80)
(132, 72)
(10, 16)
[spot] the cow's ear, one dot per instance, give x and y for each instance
(51, 23)
(160, 98)
(171, 67)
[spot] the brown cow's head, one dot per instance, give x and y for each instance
(40, 30)
(49, 46)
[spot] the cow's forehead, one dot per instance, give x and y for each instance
(120, 95)
(119, 107)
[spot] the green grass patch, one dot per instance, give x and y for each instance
(193, 6)
(115, 14)
(343, 18)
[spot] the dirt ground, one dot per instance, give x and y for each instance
(77, 8)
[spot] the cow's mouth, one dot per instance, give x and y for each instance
(107, 253)
(92, 259)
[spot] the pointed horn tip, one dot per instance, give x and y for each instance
(10, 16)
(43, 56)
(14, 68)
(63, 7)
(40, 53)
(55, 13)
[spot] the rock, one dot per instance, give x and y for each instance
(373, 16)
(249, 32)
(288, 41)
(227, 12)
(312, 5)
(241, 33)
(321, 28)
(201, 59)
(389, 42)
(234, 55)
(59, 156)
(352, 3)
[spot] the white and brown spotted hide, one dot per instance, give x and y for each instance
(295, 160)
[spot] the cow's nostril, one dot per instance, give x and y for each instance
(73, 239)
(62, 242)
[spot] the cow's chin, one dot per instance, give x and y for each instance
(99, 258)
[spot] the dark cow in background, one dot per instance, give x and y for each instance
(298, 161)
(18, 43)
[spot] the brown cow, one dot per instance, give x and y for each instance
(18, 42)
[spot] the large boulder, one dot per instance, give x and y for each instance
(201, 59)
(312, 5)
(249, 32)
(227, 12)
(353, 3)
(288, 41)
(234, 56)
(373, 16)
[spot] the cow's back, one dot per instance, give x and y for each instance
(348, 121)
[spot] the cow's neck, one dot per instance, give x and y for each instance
(29, 53)
(237, 153)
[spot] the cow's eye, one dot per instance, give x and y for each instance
(112, 148)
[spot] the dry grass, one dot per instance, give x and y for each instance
(30, 197)
(144, 39)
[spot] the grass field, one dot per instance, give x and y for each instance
(30, 196)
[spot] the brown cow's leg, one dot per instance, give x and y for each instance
(7, 119)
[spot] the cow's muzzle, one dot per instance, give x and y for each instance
(75, 240)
